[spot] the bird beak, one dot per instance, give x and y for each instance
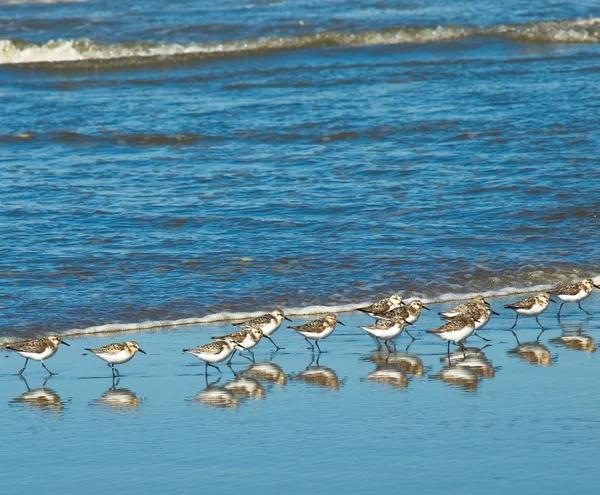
(141, 350)
(597, 286)
(341, 323)
(552, 300)
(64, 343)
(407, 322)
(402, 303)
(288, 319)
(486, 303)
(425, 307)
(494, 313)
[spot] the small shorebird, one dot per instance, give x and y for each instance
(409, 313)
(476, 302)
(215, 352)
(386, 330)
(574, 293)
(117, 353)
(244, 340)
(38, 350)
(530, 306)
(268, 323)
(481, 315)
(317, 329)
(456, 330)
(383, 306)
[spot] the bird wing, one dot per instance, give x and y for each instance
(526, 303)
(567, 290)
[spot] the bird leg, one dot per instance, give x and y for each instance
(47, 368)
(276, 346)
(586, 312)
(23, 369)
(516, 319)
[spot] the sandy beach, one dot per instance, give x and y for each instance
(286, 410)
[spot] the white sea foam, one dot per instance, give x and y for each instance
(312, 310)
(61, 50)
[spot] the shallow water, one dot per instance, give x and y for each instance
(524, 422)
(183, 161)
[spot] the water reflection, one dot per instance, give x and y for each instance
(388, 374)
(43, 398)
(246, 386)
(533, 353)
(576, 342)
(119, 398)
(473, 358)
(266, 372)
(461, 376)
(318, 375)
(216, 396)
(409, 363)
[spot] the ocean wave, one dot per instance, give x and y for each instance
(312, 310)
(79, 51)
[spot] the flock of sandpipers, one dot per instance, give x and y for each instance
(391, 314)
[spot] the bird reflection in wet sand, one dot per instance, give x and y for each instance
(576, 342)
(533, 352)
(474, 359)
(409, 363)
(460, 376)
(118, 398)
(266, 372)
(321, 376)
(43, 398)
(388, 374)
(246, 386)
(216, 396)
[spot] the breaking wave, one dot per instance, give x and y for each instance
(80, 51)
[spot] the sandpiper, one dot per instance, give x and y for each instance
(38, 350)
(386, 330)
(317, 329)
(268, 323)
(409, 313)
(530, 306)
(456, 330)
(481, 314)
(116, 353)
(215, 352)
(574, 293)
(244, 340)
(383, 306)
(476, 302)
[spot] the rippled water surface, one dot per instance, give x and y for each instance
(168, 162)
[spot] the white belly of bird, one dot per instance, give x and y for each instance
(118, 358)
(580, 296)
(384, 334)
(458, 335)
(483, 320)
(318, 336)
(247, 343)
(48, 352)
(214, 358)
(270, 328)
(535, 310)
(413, 318)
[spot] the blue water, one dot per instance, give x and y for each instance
(194, 159)
(291, 159)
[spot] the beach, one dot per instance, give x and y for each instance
(516, 422)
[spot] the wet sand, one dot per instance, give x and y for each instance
(508, 417)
